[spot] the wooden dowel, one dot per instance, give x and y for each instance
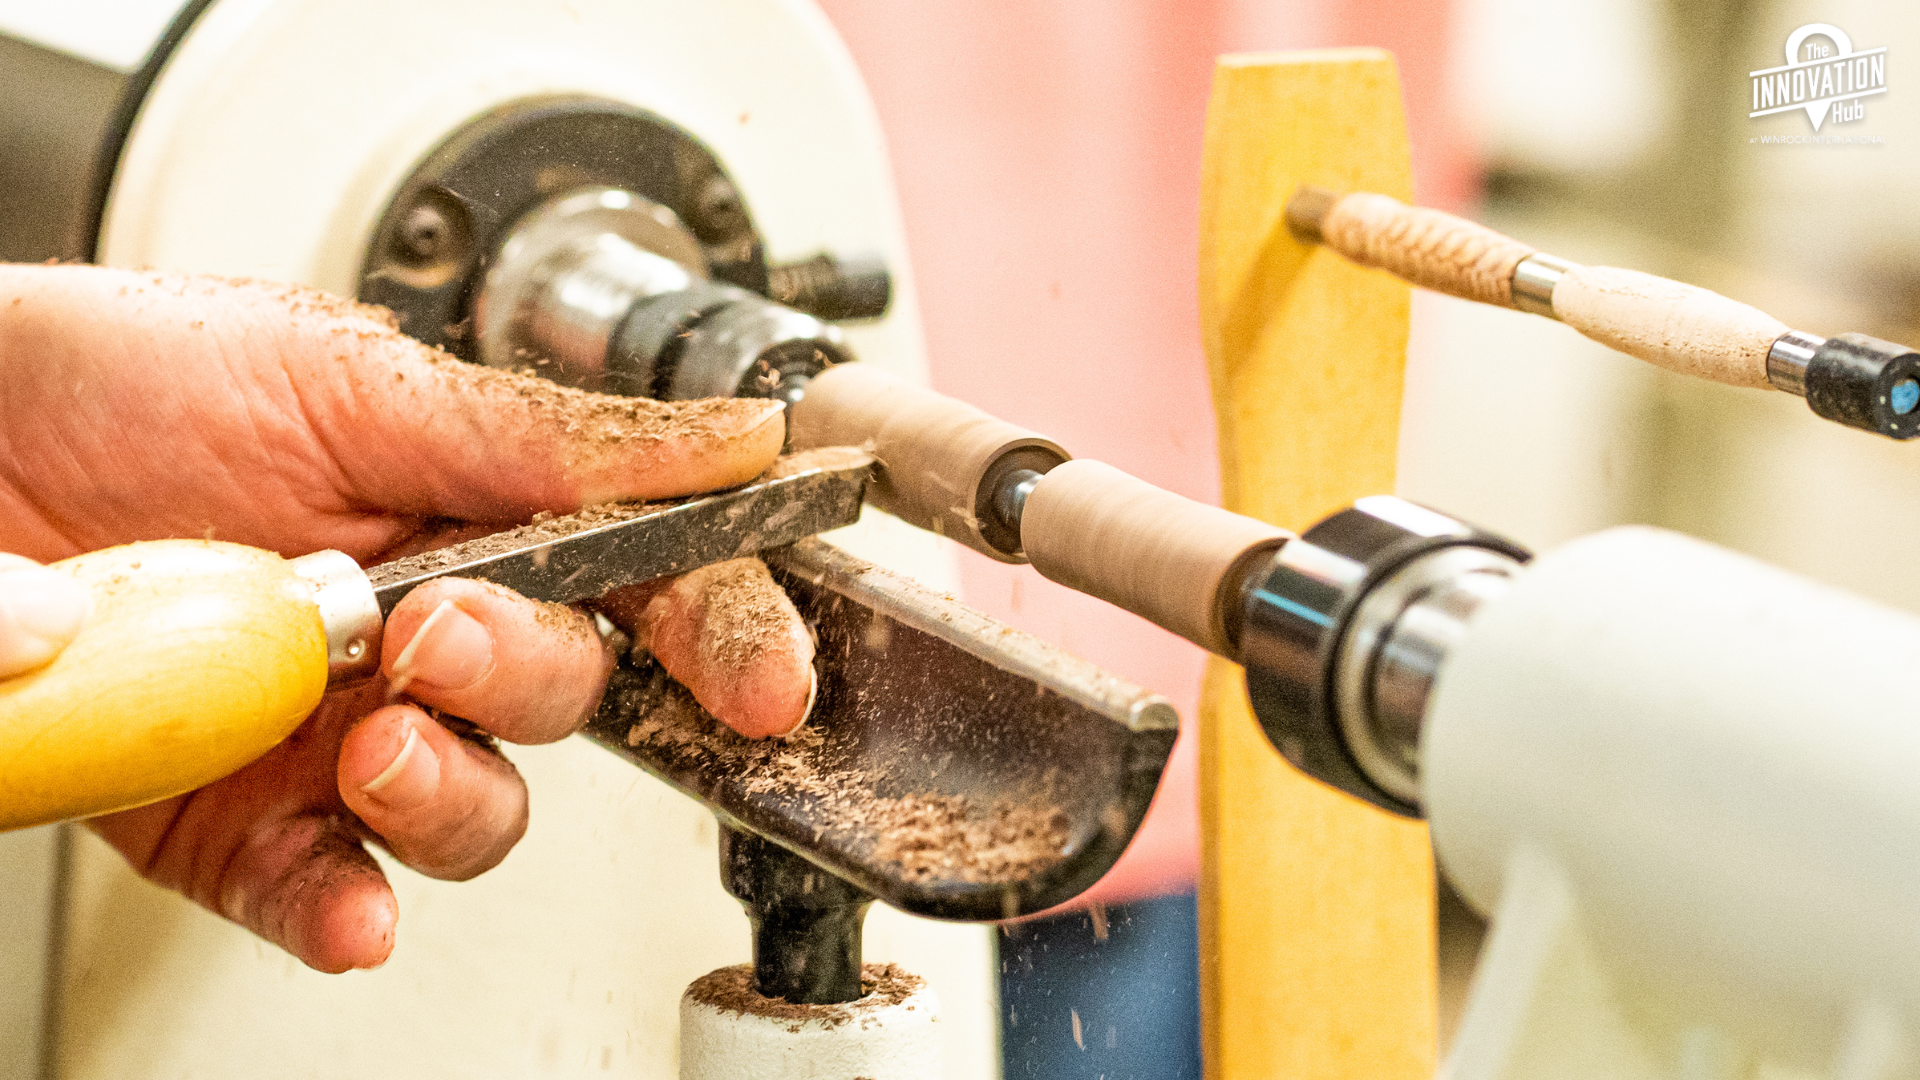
(1085, 524)
(1095, 529)
(934, 452)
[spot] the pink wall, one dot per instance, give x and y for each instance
(1048, 159)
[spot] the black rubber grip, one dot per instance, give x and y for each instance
(1866, 383)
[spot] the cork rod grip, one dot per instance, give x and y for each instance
(1666, 323)
(1428, 248)
(934, 453)
(1099, 531)
(1679, 327)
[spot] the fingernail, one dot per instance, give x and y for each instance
(410, 778)
(813, 692)
(450, 651)
(773, 412)
(43, 609)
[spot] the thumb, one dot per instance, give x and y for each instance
(41, 611)
(415, 429)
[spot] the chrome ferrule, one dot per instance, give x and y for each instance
(1533, 282)
(349, 612)
(1788, 358)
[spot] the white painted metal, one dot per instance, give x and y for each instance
(112, 33)
(269, 148)
(1686, 785)
(899, 1041)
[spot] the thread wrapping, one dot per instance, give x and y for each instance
(1431, 249)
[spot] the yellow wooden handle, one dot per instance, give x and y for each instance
(197, 659)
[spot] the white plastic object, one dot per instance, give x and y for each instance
(1686, 786)
(868, 1039)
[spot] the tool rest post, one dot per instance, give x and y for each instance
(806, 922)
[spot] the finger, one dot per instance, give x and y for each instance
(483, 444)
(525, 671)
(729, 633)
(306, 884)
(344, 416)
(444, 805)
(41, 611)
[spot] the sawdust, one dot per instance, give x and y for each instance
(934, 837)
(742, 613)
(545, 528)
(731, 990)
(549, 527)
(833, 458)
(602, 420)
(687, 733)
(566, 621)
(930, 836)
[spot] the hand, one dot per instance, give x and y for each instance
(140, 406)
(40, 612)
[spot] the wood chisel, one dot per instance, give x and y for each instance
(200, 656)
(1851, 379)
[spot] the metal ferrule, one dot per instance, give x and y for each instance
(1346, 630)
(1533, 282)
(1392, 650)
(1008, 499)
(1788, 358)
(348, 611)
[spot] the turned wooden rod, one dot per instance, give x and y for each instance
(1014, 495)
(1851, 379)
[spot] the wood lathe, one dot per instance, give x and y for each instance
(578, 192)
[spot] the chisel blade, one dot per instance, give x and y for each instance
(574, 557)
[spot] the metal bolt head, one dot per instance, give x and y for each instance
(718, 212)
(424, 235)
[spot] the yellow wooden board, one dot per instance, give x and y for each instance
(1316, 910)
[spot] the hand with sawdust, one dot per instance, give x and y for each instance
(140, 406)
